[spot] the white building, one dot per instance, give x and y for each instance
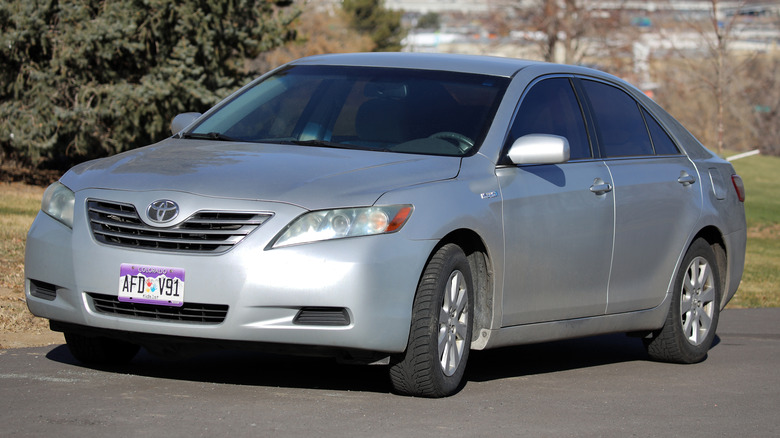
(438, 6)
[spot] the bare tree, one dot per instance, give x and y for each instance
(576, 29)
(762, 92)
(715, 67)
(322, 27)
(718, 48)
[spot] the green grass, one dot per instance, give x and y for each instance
(761, 175)
(761, 280)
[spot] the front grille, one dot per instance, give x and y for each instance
(118, 224)
(189, 312)
(333, 316)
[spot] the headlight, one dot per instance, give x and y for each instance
(58, 203)
(346, 222)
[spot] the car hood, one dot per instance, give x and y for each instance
(310, 177)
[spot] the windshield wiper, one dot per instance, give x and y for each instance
(208, 136)
(331, 144)
(324, 143)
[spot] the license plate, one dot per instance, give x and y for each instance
(151, 285)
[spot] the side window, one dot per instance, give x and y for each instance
(622, 130)
(662, 143)
(551, 107)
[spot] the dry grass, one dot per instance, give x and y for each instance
(18, 206)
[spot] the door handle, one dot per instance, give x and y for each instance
(685, 179)
(600, 187)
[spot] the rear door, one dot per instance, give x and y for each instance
(657, 197)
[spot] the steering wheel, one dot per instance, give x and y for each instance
(461, 141)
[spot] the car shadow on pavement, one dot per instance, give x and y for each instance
(251, 368)
(551, 357)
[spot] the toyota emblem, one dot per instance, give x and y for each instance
(163, 210)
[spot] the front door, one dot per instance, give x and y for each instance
(558, 219)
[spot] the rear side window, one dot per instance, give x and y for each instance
(619, 122)
(551, 107)
(662, 143)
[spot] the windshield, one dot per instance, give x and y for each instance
(388, 109)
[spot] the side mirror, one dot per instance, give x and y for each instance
(539, 149)
(182, 121)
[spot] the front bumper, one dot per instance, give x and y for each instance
(372, 279)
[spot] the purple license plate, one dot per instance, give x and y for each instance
(151, 285)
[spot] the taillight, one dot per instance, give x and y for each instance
(739, 187)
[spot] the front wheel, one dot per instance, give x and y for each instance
(690, 326)
(435, 359)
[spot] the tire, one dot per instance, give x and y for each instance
(99, 350)
(690, 326)
(435, 359)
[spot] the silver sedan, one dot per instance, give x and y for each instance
(399, 209)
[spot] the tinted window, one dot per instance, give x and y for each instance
(621, 128)
(551, 107)
(387, 109)
(662, 143)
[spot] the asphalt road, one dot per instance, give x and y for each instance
(594, 387)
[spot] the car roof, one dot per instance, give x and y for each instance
(490, 65)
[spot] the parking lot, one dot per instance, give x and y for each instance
(598, 386)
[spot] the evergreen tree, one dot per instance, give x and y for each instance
(383, 25)
(430, 20)
(81, 79)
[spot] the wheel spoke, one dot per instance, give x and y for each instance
(452, 354)
(442, 341)
(444, 346)
(705, 322)
(686, 304)
(694, 333)
(707, 295)
(695, 273)
(461, 303)
(454, 289)
(456, 295)
(687, 322)
(705, 274)
(447, 304)
(461, 329)
(444, 316)
(455, 354)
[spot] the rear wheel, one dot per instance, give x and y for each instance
(99, 350)
(435, 359)
(693, 316)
